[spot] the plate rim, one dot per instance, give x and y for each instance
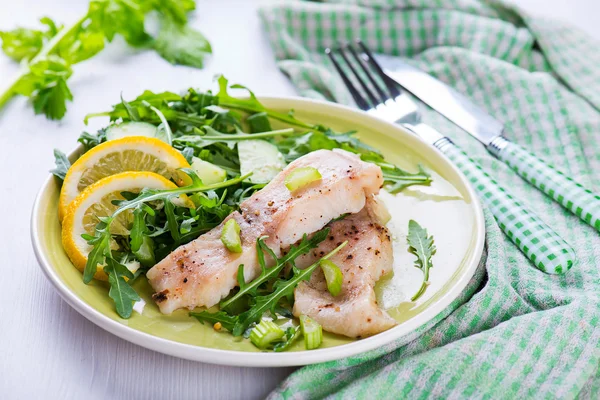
(264, 359)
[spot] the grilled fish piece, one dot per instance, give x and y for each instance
(363, 261)
(203, 271)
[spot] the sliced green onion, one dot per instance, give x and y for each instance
(259, 122)
(145, 254)
(265, 333)
(230, 236)
(333, 276)
(301, 177)
(312, 331)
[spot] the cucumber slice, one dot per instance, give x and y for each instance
(132, 128)
(209, 173)
(261, 158)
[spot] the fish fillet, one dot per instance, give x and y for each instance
(366, 258)
(203, 271)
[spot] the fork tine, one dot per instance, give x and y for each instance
(361, 102)
(390, 84)
(360, 80)
(382, 95)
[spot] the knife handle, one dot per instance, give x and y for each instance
(548, 251)
(568, 193)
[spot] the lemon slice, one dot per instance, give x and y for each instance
(134, 153)
(95, 201)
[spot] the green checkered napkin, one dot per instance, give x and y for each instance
(515, 332)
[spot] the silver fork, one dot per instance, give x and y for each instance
(381, 97)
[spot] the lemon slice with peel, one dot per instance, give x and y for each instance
(134, 153)
(95, 201)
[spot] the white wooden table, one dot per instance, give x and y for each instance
(47, 350)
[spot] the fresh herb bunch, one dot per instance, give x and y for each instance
(421, 245)
(47, 55)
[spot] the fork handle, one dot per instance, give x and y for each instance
(544, 247)
(568, 193)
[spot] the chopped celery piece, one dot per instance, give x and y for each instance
(131, 128)
(333, 276)
(259, 122)
(312, 332)
(265, 333)
(145, 254)
(300, 177)
(209, 173)
(230, 236)
(261, 158)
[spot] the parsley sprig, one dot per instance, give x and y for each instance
(47, 55)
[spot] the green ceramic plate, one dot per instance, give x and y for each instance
(447, 206)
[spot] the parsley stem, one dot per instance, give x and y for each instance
(48, 48)
(54, 43)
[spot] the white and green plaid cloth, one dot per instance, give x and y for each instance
(515, 332)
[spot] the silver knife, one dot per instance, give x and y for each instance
(489, 131)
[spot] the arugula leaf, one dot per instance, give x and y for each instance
(62, 164)
(267, 274)
(181, 44)
(226, 320)
(282, 288)
(164, 130)
(252, 105)
(100, 251)
(422, 246)
(136, 234)
(120, 291)
(141, 111)
(398, 179)
(214, 136)
(188, 153)
(90, 141)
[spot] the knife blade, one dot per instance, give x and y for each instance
(489, 131)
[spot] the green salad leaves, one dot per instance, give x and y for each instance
(48, 54)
